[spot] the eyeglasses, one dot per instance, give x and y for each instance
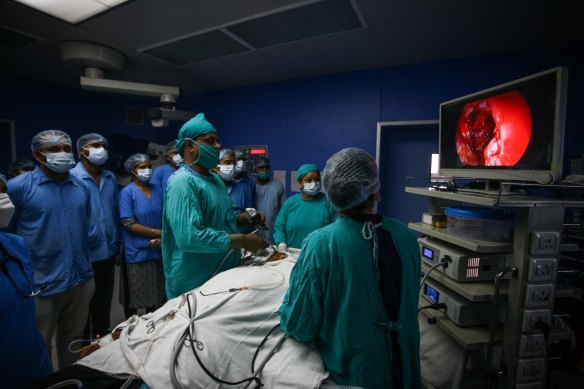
(4, 266)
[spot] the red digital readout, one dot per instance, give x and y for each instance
(257, 152)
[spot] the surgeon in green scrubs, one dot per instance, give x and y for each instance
(354, 289)
(199, 224)
(305, 212)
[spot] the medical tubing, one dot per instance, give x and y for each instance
(190, 337)
(443, 262)
(267, 358)
(81, 348)
(66, 383)
(143, 356)
(260, 346)
(222, 262)
(493, 325)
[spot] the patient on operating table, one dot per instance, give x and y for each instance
(224, 333)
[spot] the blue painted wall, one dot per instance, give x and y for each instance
(307, 120)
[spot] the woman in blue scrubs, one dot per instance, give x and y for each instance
(141, 216)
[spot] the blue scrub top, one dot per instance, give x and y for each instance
(24, 358)
(145, 211)
(104, 210)
(243, 192)
(54, 218)
(160, 176)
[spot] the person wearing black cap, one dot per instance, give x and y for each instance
(20, 166)
(270, 195)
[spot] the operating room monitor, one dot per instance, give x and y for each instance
(510, 132)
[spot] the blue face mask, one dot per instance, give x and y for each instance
(264, 175)
(208, 156)
(311, 188)
(59, 162)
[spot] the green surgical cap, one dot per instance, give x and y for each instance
(305, 169)
(195, 127)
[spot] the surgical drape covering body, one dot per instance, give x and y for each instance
(298, 218)
(195, 232)
(349, 326)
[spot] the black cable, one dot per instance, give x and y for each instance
(436, 307)
(227, 220)
(545, 329)
(257, 380)
(260, 346)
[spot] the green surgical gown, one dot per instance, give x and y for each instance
(334, 299)
(298, 218)
(196, 224)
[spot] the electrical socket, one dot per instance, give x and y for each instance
(530, 370)
(531, 345)
(532, 316)
(545, 243)
(542, 269)
(539, 295)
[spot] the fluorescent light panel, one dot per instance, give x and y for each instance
(72, 11)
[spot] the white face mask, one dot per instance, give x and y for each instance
(143, 174)
(177, 159)
(97, 155)
(6, 210)
(311, 188)
(239, 166)
(226, 171)
(60, 162)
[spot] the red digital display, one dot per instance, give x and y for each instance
(257, 152)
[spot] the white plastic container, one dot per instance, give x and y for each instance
(480, 223)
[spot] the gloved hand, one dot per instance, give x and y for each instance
(250, 242)
(245, 219)
(282, 247)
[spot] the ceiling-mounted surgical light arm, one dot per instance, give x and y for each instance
(126, 87)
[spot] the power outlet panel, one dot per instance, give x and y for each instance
(532, 316)
(542, 269)
(531, 346)
(530, 370)
(545, 243)
(539, 295)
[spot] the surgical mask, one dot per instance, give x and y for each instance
(240, 166)
(6, 210)
(97, 155)
(226, 172)
(59, 162)
(143, 175)
(311, 188)
(208, 156)
(264, 175)
(177, 159)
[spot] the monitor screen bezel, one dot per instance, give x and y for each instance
(540, 176)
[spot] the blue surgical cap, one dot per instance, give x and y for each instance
(239, 153)
(49, 137)
(135, 159)
(305, 169)
(262, 161)
(20, 164)
(349, 178)
(92, 137)
(192, 129)
(224, 153)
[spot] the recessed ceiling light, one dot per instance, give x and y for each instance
(72, 11)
